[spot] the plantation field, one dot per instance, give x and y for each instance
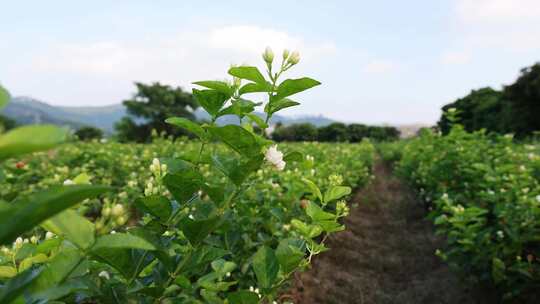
(263, 215)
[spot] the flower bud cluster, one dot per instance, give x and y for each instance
(112, 216)
(335, 180)
(342, 209)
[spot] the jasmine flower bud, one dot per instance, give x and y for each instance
(268, 55)
(294, 58)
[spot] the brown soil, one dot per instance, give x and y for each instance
(386, 255)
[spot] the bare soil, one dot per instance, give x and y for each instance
(386, 255)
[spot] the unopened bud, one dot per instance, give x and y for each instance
(285, 54)
(294, 58)
(268, 55)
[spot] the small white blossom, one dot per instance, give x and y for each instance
(69, 182)
(18, 242)
(538, 198)
(275, 157)
(268, 55)
(500, 234)
(104, 274)
(49, 235)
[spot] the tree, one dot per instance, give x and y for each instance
(6, 123)
(296, 132)
(89, 133)
(150, 106)
(480, 109)
(334, 132)
(522, 106)
(357, 132)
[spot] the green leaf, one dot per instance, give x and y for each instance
(336, 192)
(36, 259)
(29, 139)
(293, 86)
(317, 214)
(256, 119)
(202, 256)
(239, 107)
(238, 139)
(249, 73)
(58, 269)
(255, 88)
(279, 104)
(122, 240)
(26, 213)
(197, 230)
(220, 86)
(289, 254)
(212, 101)
(82, 179)
(236, 170)
(128, 262)
(7, 272)
(243, 297)
(308, 231)
(73, 227)
(266, 266)
(189, 125)
(183, 184)
(313, 188)
(4, 97)
(17, 285)
(293, 156)
(156, 205)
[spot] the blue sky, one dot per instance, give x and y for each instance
(385, 61)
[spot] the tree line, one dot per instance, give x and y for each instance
(513, 109)
(335, 132)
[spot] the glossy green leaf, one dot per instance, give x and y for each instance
(313, 188)
(289, 254)
(28, 212)
(72, 226)
(220, 86)
(243, 297)
(256, 119)
(255, 88)
(211, 100)
(189, 125)
(238, 139)
(36, 259)
(293, 156)
(7, 272)
(17, 285)
(197, 230)
(266, 266)
(239, 107)
(336, 192)
(122, 240)
(156, 205)
(183, 185)
(293, 86)
(58, 269)
(29, 139)
(249, 73)
(280, 104)
(237, 171)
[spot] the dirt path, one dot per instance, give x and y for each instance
(386, 255)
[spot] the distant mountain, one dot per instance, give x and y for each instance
(27, 110)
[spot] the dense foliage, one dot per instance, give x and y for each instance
(484, 196)
(224, 219)
(89, 133)
(335, 132)
(515, 109)
(150, 107)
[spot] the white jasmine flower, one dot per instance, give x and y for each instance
(113, 232)
(69, 182)
(538, 198)
(18, 242)
(500, 234)
(49, 235)
(104, 274)
(34, 239)
(275, 157)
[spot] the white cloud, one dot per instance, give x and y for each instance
(455, 57)
(496, 11)
(505, 24)
(380, 67)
